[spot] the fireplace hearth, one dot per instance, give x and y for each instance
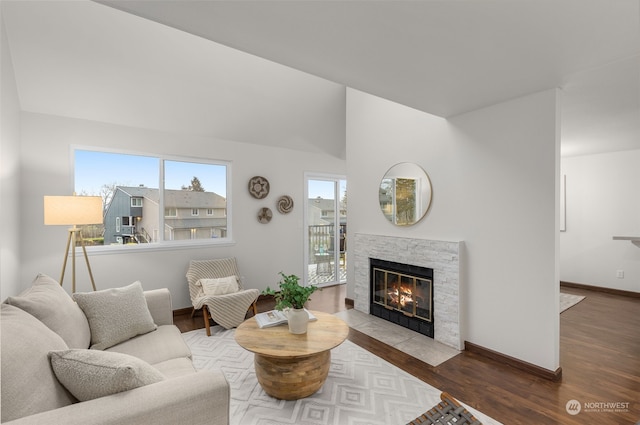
(402, 294)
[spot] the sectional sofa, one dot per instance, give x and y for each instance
(104, 357)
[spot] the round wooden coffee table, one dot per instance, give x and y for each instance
(289, 366)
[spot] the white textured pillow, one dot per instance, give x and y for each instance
(28, 385)
(49, 302)
(115, 315)
(89, 374)
(220, 286)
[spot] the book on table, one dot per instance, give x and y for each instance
(276, 317)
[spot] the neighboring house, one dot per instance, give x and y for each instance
(133, 217)
(322, 211)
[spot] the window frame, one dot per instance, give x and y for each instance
(165, 244)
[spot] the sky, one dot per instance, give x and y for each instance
(94, 169)
(324, 189)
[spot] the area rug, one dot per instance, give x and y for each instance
(361, 389)
(569, 300)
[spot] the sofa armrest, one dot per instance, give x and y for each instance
(197, 399)
(159, 303)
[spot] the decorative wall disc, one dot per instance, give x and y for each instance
(258, 187)
(264, 215)
(285, 204)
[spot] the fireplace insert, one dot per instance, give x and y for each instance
(402, 294)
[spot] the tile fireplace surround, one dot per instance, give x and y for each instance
(442, 257)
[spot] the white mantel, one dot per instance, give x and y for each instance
(443, 257)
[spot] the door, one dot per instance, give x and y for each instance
(326, 229)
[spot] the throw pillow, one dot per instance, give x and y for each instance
(28, 385)
(115, 315)
(48, 302)
(89, 374)
(220, 286)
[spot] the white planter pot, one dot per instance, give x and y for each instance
(298, 320)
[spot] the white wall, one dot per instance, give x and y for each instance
(494, 173)
(9, 170)
(262, 250)
(603, 200)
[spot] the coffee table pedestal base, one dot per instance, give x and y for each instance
(292, 379)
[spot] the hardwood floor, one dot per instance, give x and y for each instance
(599, 356)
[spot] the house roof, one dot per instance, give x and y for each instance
(141, 192)
(178, 198)
(323, 204)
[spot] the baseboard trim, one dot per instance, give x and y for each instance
(182, 311)
(600, 289)
(551, 375)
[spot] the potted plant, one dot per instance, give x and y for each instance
(292, 296)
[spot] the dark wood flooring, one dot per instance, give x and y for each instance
(599, 356)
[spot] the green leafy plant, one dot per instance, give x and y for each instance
(291, 294)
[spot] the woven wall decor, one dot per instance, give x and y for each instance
(264, 215)
(285, 204)
(258, 187)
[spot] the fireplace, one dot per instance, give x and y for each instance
(402, 294)
(443, 257)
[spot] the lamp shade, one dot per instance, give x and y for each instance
(72, 210)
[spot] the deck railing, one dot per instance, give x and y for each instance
(321, 239)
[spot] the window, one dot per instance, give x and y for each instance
(157, 199)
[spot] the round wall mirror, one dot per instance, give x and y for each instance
(405, 194)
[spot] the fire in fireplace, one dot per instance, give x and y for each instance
(408, 294)
(402, 294)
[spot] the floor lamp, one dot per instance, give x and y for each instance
(73, 211)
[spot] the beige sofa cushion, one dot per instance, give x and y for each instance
(89, 374)
(50, 303)
(115, 315)
(29, 385)
(154, 347)
(175, 367)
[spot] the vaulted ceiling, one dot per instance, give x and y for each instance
(232, 68)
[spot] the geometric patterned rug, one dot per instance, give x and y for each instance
(569, 300)
(361, 389)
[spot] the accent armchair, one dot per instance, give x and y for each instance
(228, 306)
